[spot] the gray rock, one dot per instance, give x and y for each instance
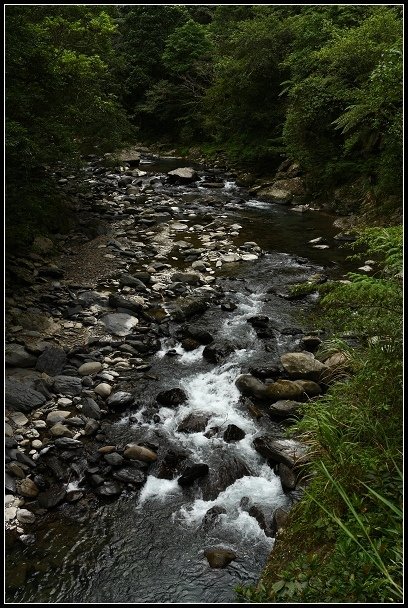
(57, 416)
(19, 419)
(191, 473)
(230, 468)
(216, 352)
(193, 423)
(109, 489)
(51, 361)
(199, 334)
(119, 323)
(25, 516)
(233, 433)
(188, 307)
(16, 355)
(60, 430)
(20, 397)
(132, 281)
(89, 368)
(183, 175)
(27, 487)
(302, 365)
(172, 397)
(134, 304)
(287, 451)
(52, 497)
(67, 385)
(287, 476)
(284, 409)
(66, 443)
(114, 459)
(88, 298)
(91, 427)
(90, 408)
(8, 431)
(120, 399)
(103, 389)
(276, 195)
(9, 483)
(130, 475)
(191, 278)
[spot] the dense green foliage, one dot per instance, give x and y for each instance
(60, 102)
(322, 84)
(348, 527)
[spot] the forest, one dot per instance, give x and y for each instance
(253, 85)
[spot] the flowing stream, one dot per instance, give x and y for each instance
(147, 547)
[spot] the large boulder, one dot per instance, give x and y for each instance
(119, 323)
(188, 307)
(287, 451)
(219, 557)
(184, 175)
(276, 195)
(51, 361)
(20, 397)
(131, 156)
(172, 397)
(250, 386)
(229, 470)
(193, 423)
(16, 355)
(216, 352)
(302, 365)
(294, 185)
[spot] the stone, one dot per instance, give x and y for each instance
(250, 386)
(42, 245)
(109, 489)
(191, 278)
(60, 430)
(25, 516)
(10, 513)
(66, 443)
(52, 497)
(302, 366)
(182, 175)
(279, 519)
(188, 307)
(172, 397)
(130, 475)
(219, 557)
(139, 452)
(310, 388)
(132, 281)
(284, 409)
(107, 449)
(9, 483)
(20, 397)
(89, 368)
(287, 476)
(293, 185)
(51, 361)
(276, 195)
(91, 427)
(230, 468)
(193, 423)
(90, 408)
(120, 399)
(287, 451)
(57, 416)
(192, 473)
(189, 344)
(201, 335)
(103, 389)
(218, 351)
(310, 343)
(36, 444)
(18, 418)
(8, 431)
(27, 487)
(114, 459)
(257, 513)
(15, 355)
(132, 303)
(212, 517)
(67, 385)
(233, 433)
(119, 324)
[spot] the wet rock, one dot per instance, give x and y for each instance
(52, 497)
(114, 459)
(134, 304)
(219, 557)
(279, 519)
(18, 418)
(15, 470)
(302, 365)
(10, 513)
(189, 344)
(120, 399)
(233, 433)
(139, 452)
(250, 386)
(276, 195)
(212, 517)
(119, 324)
(228, 306)
(92, 367)
(258, 321)
(16, 355)
(287, 476)
(27, 487)
(67, 385)
(168, 465)
(284, 409)
(172, 397)
(51, 361)
(199, 334)
(130, 475)
(19, 396)
(8, 431)
(287, 451)
(284, 390)
(66, 443)
(193, 423)
(109, 489)
(262, 373)
(91, 427)
(191, 473)
(184, 175)
(90, 408)
(257, 513)
(229, 470)
(188, 307)
(216, 352)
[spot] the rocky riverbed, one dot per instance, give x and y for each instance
(97, 330)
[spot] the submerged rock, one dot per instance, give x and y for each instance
(219, 557)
